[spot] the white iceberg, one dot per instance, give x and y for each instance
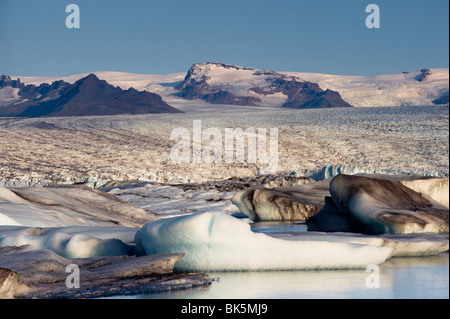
(68, 242)
(219, 242)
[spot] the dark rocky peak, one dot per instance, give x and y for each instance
(92, 80)
(92, 87)
(87, 96)
(58, 85)
(265, 72)
(424, 75)
(443, 99)
(5, 80)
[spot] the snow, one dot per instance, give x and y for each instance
(239, 81)
(400, 89)
(219, 242)
(8, 94)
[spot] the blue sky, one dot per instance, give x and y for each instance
(166, 36)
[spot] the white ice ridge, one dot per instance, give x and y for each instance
(72, 242)
(219, 242)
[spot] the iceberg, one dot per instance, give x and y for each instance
(70, 245)
(67, 205)
(411, 245)
(384, 205)
(220, 242)
(435, 188)
(41, 274)
(282, 203)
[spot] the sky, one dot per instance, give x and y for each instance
(168, 36)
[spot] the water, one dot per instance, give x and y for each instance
(399, 278)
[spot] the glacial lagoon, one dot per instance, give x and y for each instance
(399, 278)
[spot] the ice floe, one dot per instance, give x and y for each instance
(217, 241)
(69, 205)
(32, 273)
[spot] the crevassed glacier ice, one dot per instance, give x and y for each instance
(330, 171)
(219, 242)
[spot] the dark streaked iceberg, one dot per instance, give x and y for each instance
(383, 205)
(289, 203)
(363, 203)
(27, 272)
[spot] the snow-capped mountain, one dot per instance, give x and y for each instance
(221, 83)
(87, 96)
(417, 88)
(230, 84)
(207, 84)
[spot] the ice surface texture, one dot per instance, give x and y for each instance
(68, 205)
(219, 242)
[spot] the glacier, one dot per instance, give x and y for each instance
(219, 242)
(330, 171)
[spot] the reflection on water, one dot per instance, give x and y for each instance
(400, 278)
(274, 227)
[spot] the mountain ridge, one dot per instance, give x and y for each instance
(217, 83)
(87, 96)
(425, 87)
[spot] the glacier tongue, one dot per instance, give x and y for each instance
(219, 242)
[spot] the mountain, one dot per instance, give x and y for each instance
(443, 99)
(207, 84)
(87, 96)
(220, 83)
(415, 88)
